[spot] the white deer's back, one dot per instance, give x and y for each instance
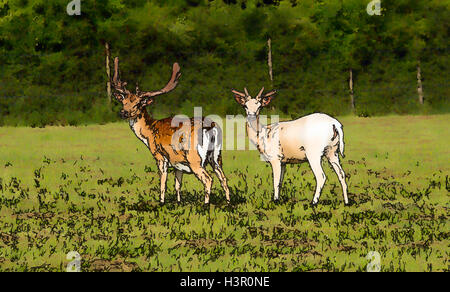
(291, 140)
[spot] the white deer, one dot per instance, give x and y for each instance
(306, 139)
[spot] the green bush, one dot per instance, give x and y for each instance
(52, 65)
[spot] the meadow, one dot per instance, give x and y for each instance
(95, 190)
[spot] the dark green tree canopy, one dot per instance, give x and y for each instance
(53, 63)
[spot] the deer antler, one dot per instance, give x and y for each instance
(118, 85)
(176, 74)
(260, 93)
(240, 94)
(137, 89)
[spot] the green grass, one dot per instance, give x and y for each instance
(95, 190)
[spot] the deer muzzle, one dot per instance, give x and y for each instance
(124, 114)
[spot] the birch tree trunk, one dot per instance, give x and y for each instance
(350, 85)
(108, 73)
(419, 84)
(269, 60)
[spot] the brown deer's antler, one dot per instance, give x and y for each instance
(118, 85)
(176, 74)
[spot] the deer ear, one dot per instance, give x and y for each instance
(267, 98)
(119, 96)
(240, 99)
(239, 96)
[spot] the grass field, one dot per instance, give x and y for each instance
(95, 190)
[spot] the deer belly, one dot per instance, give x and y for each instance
(293, 160)
(294, 154)
(181, 167)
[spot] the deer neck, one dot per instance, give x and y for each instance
(141, 124)
(254, 130)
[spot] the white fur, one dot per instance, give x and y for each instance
(206, 145)
(182, 167)
(136, 132)
(313, 132)
(217, 146)
(203, 149)
(305, 139)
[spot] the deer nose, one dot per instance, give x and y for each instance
(123, 114)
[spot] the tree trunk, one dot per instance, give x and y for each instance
(269, 60)
(419, 84)
(350, 85)
(108, 73)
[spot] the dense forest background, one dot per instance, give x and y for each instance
(52, 65)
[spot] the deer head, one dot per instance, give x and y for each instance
(251, 105)
(134, 103)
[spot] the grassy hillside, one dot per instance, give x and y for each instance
(95, 190)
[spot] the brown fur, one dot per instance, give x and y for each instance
(158, 136)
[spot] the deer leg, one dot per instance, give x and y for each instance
(206, 179)
(283, 171)
(277, 173)
(223, 180)
(315, 161)
(178, 182)
(162, 165)
(334, 161)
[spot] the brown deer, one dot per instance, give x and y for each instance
(168, 141)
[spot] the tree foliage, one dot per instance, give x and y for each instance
(52, 64)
